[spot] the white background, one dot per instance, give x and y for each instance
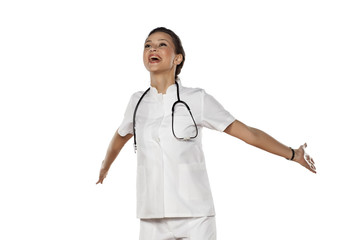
(68, 69)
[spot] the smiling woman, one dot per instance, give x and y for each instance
(174, 199)
(165, 38)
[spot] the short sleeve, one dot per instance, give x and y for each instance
(214, 116)
(126, 126)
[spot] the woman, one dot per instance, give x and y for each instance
(174, 199)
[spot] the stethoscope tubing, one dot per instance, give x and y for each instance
(172, 116)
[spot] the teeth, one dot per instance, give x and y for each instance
(154, 58)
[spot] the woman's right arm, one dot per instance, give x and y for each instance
(113, 150)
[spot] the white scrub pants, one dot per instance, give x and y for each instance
(199, 228)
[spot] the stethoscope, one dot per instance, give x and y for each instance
(172, 116)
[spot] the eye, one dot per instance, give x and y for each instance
(162, 45)
(147, 45)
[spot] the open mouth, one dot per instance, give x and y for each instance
(154, 59)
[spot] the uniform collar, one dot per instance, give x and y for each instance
(171, 90)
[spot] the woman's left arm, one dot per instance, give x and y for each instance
(262, 140)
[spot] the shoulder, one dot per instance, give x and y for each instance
(136, 96)
(201, 95)
(193, 91)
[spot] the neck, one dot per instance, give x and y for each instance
(162, 82)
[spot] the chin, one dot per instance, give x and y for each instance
(155, 69)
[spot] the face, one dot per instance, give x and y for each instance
(159, 53)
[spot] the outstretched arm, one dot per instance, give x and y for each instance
(262, 140)
(113, 150)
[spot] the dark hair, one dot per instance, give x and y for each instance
(178, 46)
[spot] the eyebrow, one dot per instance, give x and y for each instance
(158, 40)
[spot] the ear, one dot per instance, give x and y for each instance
(178, 59)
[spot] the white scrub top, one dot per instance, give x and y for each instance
(172, 180)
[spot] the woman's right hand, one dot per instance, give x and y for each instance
(116, 144)
(102, 175)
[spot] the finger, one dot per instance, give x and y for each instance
(302, 147)
(309, 159)
(310, 166)
(101, 179)
(313, 166)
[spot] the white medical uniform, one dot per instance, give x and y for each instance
(199, 228)
(172, 181)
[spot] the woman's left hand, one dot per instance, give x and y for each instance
(304, 159)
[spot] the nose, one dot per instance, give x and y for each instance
(152, 49)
